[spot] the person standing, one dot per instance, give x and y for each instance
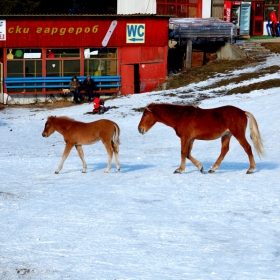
(274, 22)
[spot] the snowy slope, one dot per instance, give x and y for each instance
(143, 222)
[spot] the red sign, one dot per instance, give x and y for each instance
(80, 31)
(227, 11)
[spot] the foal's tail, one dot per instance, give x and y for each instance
(116, 136)
(255, 134)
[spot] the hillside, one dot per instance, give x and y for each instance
(217, 67)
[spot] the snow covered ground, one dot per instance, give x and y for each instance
(143, 222)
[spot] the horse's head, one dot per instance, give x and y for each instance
(49, 129)
(148, 119)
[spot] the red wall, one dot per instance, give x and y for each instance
(90, 31)
(47, 31)
(152, 64)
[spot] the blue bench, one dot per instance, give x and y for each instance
(103, 83)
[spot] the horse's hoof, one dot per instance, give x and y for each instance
(177, 172)
(211, 171)
(249, 172)
(56, 172)
(201, 170)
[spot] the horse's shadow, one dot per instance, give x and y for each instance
(125, 168)
(235, 166)
(224, 167)
(3, 124)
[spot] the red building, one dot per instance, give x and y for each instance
(134, 47)
(180, 8)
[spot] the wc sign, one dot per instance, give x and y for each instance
(135, 33)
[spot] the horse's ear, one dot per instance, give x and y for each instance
(150, 107)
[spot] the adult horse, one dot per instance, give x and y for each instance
(191, 122)
(77, 133)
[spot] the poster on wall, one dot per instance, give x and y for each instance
(2, 30)
(135, 33)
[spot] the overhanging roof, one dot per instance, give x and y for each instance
(193, 28)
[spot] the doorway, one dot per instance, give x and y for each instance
(136, 78)
(130, 79)
(257, 18)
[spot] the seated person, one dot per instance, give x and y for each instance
(98, 105)
(89, 87)
(75, 86)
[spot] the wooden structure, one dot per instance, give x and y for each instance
(197, 30)
(133, 47)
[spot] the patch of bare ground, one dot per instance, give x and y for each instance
(202, 73)
(246, 77)
(219, 67)
(46, 105)
(273, 47)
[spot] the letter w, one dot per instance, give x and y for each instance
(131, 29)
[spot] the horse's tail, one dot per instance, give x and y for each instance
(255, 134)
(116, 136)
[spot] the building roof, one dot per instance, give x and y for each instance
(195, 28)
(87, 15)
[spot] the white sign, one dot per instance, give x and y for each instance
(135, 33)
(32, 55)
(2, 30)
(109, 33)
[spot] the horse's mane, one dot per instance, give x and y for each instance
(61, 118)
(168, 104)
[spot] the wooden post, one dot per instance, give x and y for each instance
(189, 54)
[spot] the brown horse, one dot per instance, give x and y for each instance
(191, 122)
(77, 133)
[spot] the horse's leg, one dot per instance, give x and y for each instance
(224, 149)
(247, 148)
(184, 152)
(65, 154)
(110, 152)
(192, 159)
(81, 155)
(116, 152)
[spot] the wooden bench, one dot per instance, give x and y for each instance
(105, 84)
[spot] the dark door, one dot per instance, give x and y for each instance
(136, 78)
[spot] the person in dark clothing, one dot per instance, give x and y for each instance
(89, 87)
(75, 86)
(171, 61)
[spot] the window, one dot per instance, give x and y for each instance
(24, 68)
(62, 53)
(62, 62)
(180, 8)
(24, 53)
(24, 63)
(100, 61)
